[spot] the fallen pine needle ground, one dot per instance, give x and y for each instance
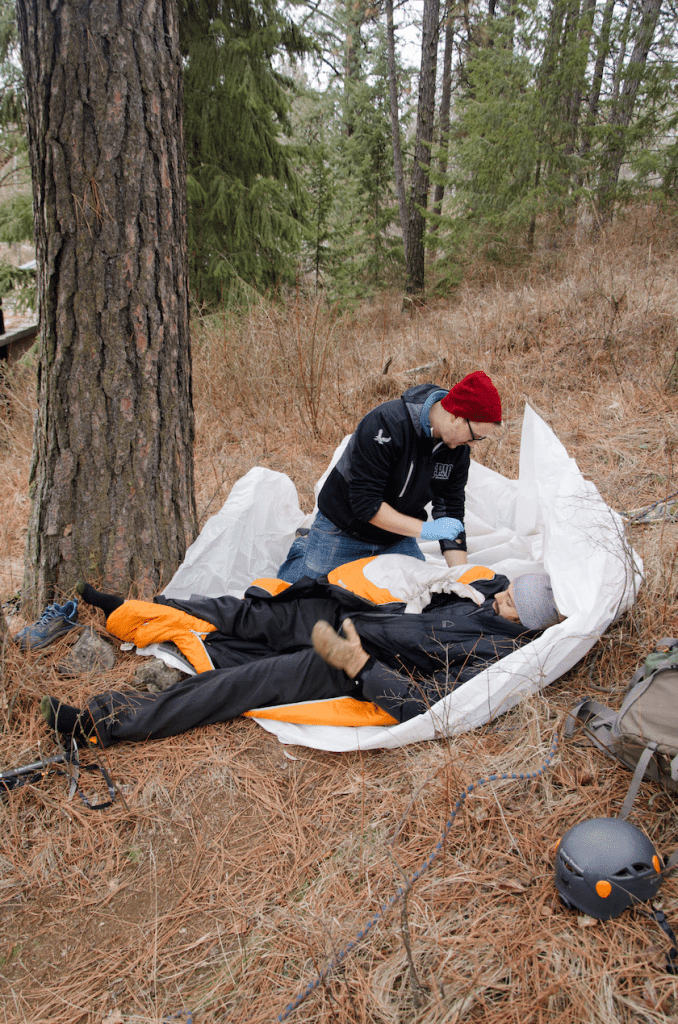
(231, 870)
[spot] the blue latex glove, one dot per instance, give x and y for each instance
(441, 529)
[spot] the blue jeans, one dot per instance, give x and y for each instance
(327, 547)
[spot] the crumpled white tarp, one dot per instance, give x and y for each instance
(247, 539)
(550, 519)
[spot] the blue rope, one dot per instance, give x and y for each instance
(637, 514)
(400, 891)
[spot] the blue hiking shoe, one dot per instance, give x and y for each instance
(56, 620)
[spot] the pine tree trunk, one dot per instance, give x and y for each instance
(422, 149)
(112, 473)
(532, 227)
(622, 111)
(445, 100)
(465, 45)
(395, 126)
(602, 53)
(547, 87)
(621, 55)
(578, 63)
(355, 13)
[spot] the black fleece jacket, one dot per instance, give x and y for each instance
(389, 458)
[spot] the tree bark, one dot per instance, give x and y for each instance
(621, 56)
(445, 100)
(602, 53)
(622, 110)
(395, 126)
(548, 95)
(578, 71)
(356, 16)
(422, 149)
(112, 473)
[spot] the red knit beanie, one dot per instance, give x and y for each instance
(474, 398)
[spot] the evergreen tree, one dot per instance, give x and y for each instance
(247, 202)
(314, 114)
(360, 250)
(618, 139)
(396, 139)
(498, 138)
(549, 103)
(12, 94)
(16, 201)
(414, 252)
(444, 125)
(368, 250)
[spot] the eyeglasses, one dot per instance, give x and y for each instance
(474, 437)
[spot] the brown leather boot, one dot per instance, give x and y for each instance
(347, 654)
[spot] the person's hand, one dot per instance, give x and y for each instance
(441, 529)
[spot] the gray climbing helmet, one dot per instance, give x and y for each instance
(604, 866)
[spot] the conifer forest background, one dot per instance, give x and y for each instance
(366, 213)
(349, 146)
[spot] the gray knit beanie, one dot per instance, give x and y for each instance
(533, 598)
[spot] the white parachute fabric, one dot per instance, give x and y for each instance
(550, 519)
(247, 539)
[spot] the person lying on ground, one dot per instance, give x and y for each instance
(402, 455)
(268, 651)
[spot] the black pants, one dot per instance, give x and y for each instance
(265, 658)
(218, 696)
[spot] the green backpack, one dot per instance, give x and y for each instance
(643, 734)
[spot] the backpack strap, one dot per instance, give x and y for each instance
(638, 775)
(598, 720)
(660, 918)
(667, 643)
(636, 677)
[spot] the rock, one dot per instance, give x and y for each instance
(89, 654)
(155, 676)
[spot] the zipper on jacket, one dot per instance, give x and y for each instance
(408, 479)
(201, 638)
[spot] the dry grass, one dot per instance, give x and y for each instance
(231, 870)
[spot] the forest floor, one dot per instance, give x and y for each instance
(230, 870)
